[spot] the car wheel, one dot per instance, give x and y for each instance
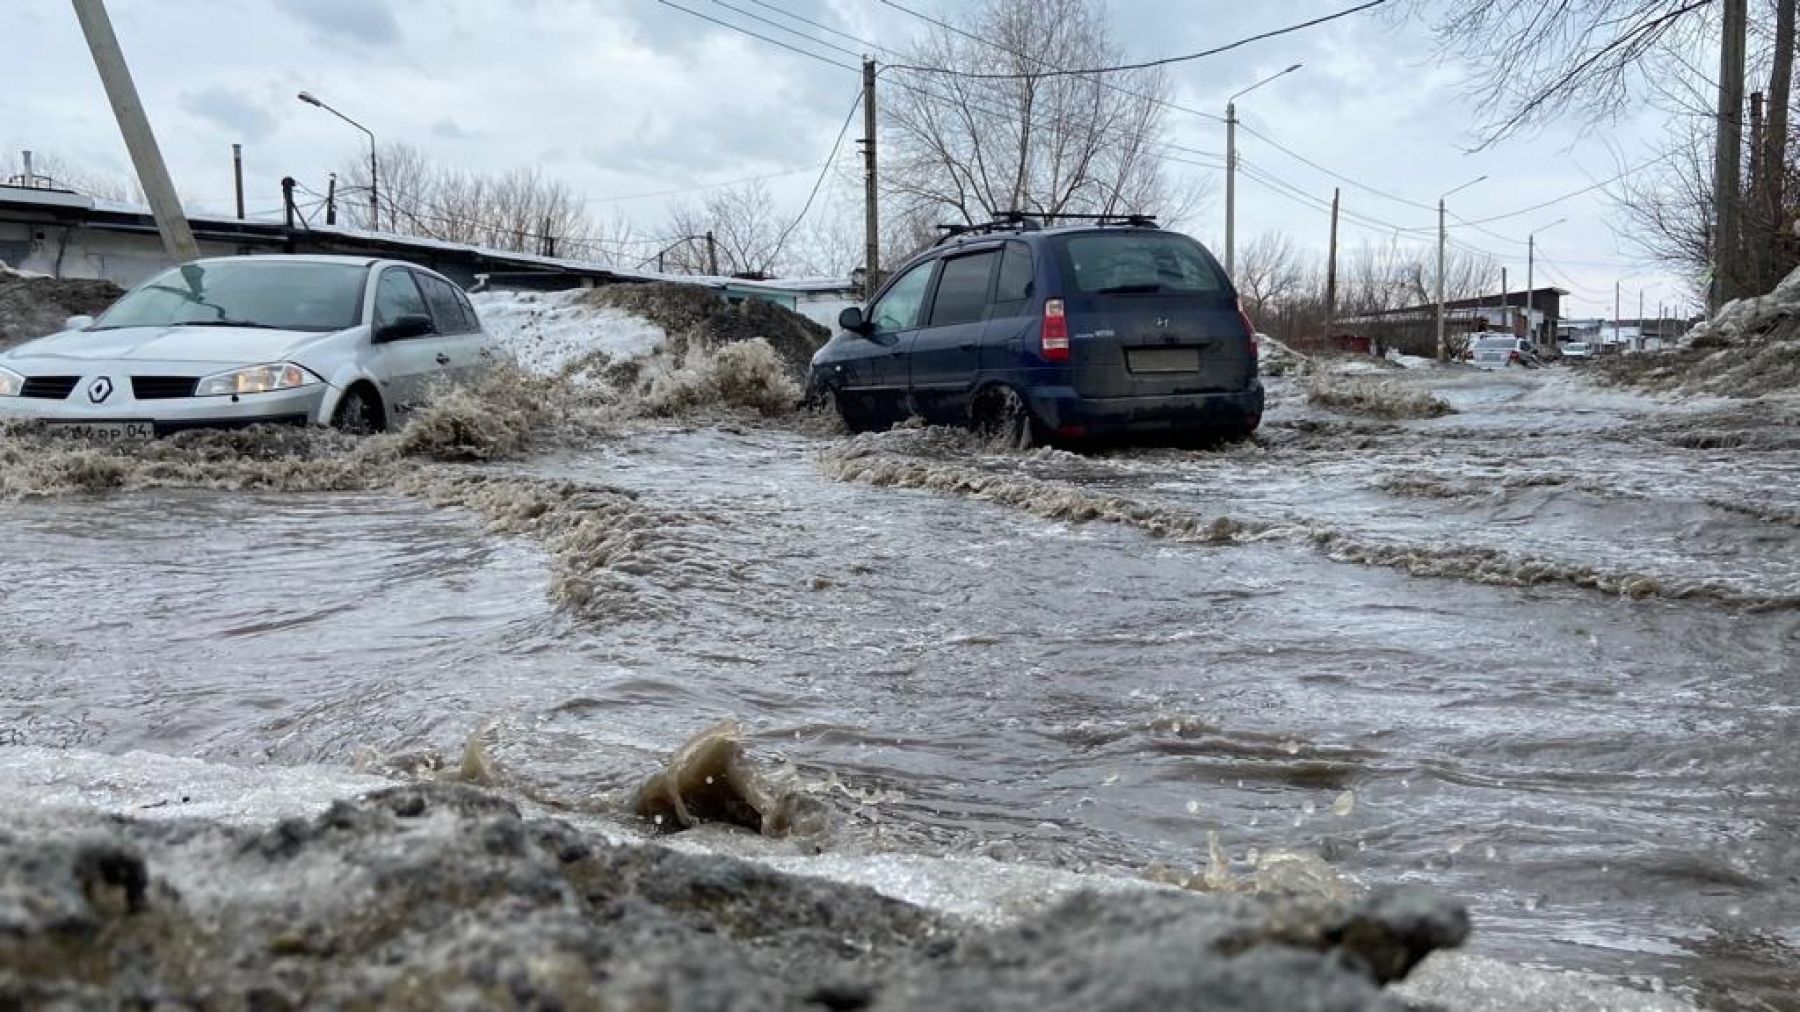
(359, 413)
(853, 412)
(1002, 418)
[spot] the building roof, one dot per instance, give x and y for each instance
(66, 207)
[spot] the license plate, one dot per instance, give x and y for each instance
(107, 432)
(1162, 359)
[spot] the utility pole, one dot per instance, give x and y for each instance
(237, 176)
(1231, 191)
(331, 200)
(871, 218)
(1331, 268)
(1530, 273)
(1505, 300)
(1443, 350)
(1728, 237)
(712, 254)
(1618, 331)
(146, 158)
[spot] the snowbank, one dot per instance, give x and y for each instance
(548, 331)
(1748, 349)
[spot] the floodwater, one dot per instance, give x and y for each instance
(1539, 653)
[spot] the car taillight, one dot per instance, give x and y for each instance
(1514, 357)
(1054, 342)
(1244, 318)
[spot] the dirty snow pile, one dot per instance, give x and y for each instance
(33, 305)
(1748, 349)
(548, 331)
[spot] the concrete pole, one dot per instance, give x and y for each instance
(146, 158)
(1231, 191)
(1530, 267)
(871, 215)
(237, 176)
(1331, 268)
(1443, 350)
(1727, 155)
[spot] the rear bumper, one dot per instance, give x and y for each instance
(1064, 412)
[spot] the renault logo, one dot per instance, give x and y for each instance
(1162, 321)
(100, 390)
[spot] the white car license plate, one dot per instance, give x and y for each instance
(107, 432)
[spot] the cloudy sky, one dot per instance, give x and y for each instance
(638, 104)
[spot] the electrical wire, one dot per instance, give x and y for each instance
(756, 35)
(1147, 64)
(780, 241)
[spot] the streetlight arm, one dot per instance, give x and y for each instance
(1472, 182)
(1264, 81)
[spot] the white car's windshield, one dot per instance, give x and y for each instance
(1497, 343)
(276, 294)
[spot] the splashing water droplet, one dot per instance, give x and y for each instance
(1193, 807)
(1344, 805)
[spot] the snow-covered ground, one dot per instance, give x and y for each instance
(545, 331)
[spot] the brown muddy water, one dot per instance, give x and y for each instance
(1539, 653)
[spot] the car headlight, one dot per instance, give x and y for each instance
(256, 379)
(11, 383)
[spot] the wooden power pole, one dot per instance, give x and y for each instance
(1331, 269)
(1728, 239)
(871, 220)
(146, 158)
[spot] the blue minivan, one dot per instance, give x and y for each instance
(1105, 329)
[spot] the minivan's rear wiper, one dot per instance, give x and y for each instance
(1142, 289)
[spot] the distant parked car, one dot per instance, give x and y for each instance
(1042, 333)
(1577, 349)
(343, 341)
(1500, 351)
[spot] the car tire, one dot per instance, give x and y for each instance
(1003, 419)
(359, 412)
(855, 415)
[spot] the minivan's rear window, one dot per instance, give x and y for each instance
(1137, 262)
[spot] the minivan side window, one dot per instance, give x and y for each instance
(962, 292)
(899, 306)
(1018, 275)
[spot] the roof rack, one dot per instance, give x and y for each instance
(1022, 221)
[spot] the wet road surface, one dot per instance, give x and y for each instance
(1535, 653)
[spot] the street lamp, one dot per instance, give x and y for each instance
(1231, 169)
(1443, 352)
(1530, 268)
(374, 172)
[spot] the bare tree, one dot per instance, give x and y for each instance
(518, 210)
(1270, 273)
(747, 233)
(966, 147)
(1535, 60)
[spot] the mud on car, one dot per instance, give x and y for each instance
(1108, 328)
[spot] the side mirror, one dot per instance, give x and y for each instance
(851, 319)
(412, 325)
(81, 322)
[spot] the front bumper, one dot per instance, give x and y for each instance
(1065, 412)
(302, 406)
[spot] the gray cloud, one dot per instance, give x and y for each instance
(449, 130)
(229, 111)
(362, 21)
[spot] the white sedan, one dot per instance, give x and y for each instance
(343, 341)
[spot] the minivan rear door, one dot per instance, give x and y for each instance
(1151, 313)
(946, 350)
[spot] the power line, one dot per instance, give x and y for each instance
(755, 35)
(1576, 193)
(781, 241)
(1147, 64)
(815, 40)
